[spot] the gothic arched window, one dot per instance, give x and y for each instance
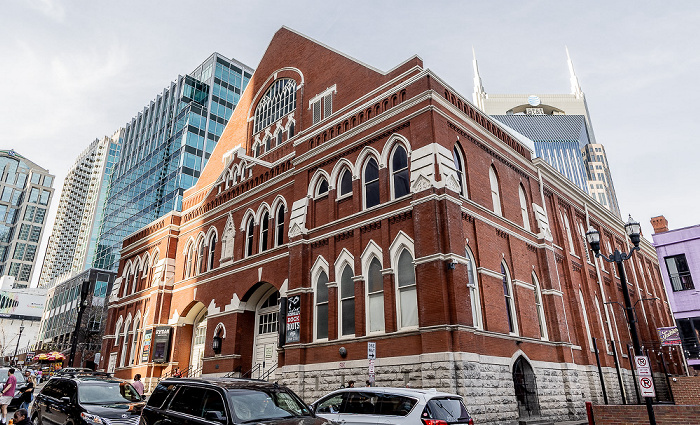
(279, 100)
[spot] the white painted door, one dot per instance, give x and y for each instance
(266, 338)
(198, 344)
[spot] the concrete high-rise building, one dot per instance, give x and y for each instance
(166, 145)
(568, 146)
(26, 192)
(73, 241)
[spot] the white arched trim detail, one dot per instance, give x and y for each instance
(201, 237)
(339, 166)
(320, 265)
(118, 329)
(371, 250)
(344, 258)
(248, 214)
(127, 269)
(366, 152)
(266, 85)
(318, 175)
(394, 139)
(145, 264)
(136, 321)
(279, 199)
(211, 230)
(261, 210)
(401, 241)
(155, 257)
(220, 328)
(515, 357)
(190, 242)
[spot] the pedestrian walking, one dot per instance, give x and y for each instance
(351, 384)
(27, 390)
(138, 384)
(8, 391)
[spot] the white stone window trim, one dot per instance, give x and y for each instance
(474, 290)
(345, 259)
(365, 162)
(400, 243)
(541, 316)
(318, 99)
(320, 265)
(511, 301)
(496, 206)
(372, 251)
(523, 208)
(390, 164)
(461, 173)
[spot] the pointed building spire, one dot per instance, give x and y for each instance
(479, 93)
(575, 86)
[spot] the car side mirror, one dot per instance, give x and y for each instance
(214, 415)
(65, 400)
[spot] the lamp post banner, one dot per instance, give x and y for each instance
(669, 336)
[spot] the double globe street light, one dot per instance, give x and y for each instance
(633, 230)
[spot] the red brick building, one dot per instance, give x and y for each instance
(356, 206)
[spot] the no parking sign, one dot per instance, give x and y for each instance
(646, 384)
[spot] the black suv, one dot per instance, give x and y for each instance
(186, 401)
(87, 399)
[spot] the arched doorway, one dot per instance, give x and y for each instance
(199, 338)
(525, 389)
(266, 336)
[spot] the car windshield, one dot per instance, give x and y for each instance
(258, 405)
(17, 374)
(107, 393)
(450, 410)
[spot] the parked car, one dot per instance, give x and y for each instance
(377, 405)
(16, 401)
(86, 399)
(192, 401)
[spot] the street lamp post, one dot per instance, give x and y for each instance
(81, 309)
(14, 358)
(633, 230)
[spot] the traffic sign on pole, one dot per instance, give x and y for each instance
(643, 367)
(646, 384)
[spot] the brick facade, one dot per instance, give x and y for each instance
(686, 390)
(446, 224)
(637, 415)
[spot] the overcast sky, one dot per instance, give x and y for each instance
(75, 71)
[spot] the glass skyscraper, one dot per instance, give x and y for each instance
(73, 241)
(165, 147)
(25, 195)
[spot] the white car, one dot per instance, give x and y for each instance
(380, 405)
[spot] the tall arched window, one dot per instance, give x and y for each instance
(278, 101)
(322, 187)
(188, 261)
(508, 295)
(135, 341)
(279, 137)
(375, 297)
(567, 228)
(212, 250)
(201, 263)
(264, 231)
(473, 285)
(541, 319)
(602, 323)
(495, 191)
(279, 226)
(347, 303)
(117, 331)
(250, 228)
(585, 318)
(459, 167)
(399, 171)
(290, 131)
(345, 185)
(257, 150)
(523, 208)
(407, 295)
(371, 183)
(125, 343)
(268, 143)
(322, 306)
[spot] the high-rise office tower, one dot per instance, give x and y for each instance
(73, 241)
(166, 145)
(26, 195)
(560, 126)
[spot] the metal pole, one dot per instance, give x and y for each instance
(633, 327)
(619, 374)
(14, 358)
(600, 371)
(630, 357)
(668, 381)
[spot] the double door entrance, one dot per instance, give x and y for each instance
(266, 337)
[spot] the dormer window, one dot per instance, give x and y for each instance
(322, 105)
(279, 100)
